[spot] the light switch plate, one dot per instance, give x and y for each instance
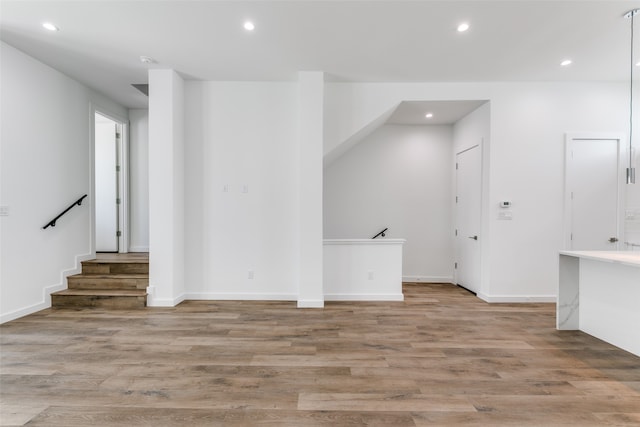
(505, 215)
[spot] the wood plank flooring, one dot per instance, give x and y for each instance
(441, 357)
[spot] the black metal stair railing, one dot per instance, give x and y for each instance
(381, 234)
(52, 223)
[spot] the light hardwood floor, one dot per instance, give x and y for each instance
(441, 357)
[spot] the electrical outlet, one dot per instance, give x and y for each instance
(370, 275)
(250, 275)
(4, 210)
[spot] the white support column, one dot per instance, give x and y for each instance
(311, 139)
(166, 188)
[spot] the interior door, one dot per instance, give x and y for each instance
(106, 184)
(592, 185)
(468, 214)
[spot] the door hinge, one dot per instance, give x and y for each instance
(456, 166)
(571, 236)
(117, 201)
(455, 265)
(118, 168)
(118, 233)
(456, 232)
(117, 135)
(456, 199)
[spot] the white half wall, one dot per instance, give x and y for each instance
(138, 180)
(46, 164)
(363, 270)
(398, 177)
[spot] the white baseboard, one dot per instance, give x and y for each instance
(48, 290)
(213, 296)
(364, 297)
(139, 249)
(517, 298)
(165, 302)
(7, 317)
(311, 303)
(153, 301)
(428, 279)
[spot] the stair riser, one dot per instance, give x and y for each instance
(115, 268)
(89, 283)
(87, 301)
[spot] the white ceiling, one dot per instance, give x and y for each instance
(444, 112)
(100, 42)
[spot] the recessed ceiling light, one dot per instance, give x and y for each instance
(49, 26)
(463, 27)
(428, 115)
(249, 26)
(566, 62)
(147, 60)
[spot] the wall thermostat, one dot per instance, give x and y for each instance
(505, 204)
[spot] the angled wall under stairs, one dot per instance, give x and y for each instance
(112, 281)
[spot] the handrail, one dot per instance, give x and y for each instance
(380, 233)
(52, 223)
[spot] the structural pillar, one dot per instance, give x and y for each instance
(166, 188)
(311, 140)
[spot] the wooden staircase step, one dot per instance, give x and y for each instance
(110, 281)
(100, 298)
(114, 267)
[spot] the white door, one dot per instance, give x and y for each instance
(468, 212)
(106, 184)
(592, 192)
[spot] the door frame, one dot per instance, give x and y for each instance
(479, 289)
(122, 158)
(574, 138)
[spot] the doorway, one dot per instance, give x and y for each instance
(109, 183)
(468, 218)
(593, 193)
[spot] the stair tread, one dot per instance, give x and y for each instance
(104, 292)
(117, 261)
(110, 276)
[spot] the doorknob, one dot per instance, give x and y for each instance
(473, 237)
(613, 239)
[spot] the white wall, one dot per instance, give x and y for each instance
(166, 189)
(138, 180)
(46, 159)
(526, 161)
(475, 129)
(242, 183)
(398, 177)
(310, 150)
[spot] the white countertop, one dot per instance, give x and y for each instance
(618, 257)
